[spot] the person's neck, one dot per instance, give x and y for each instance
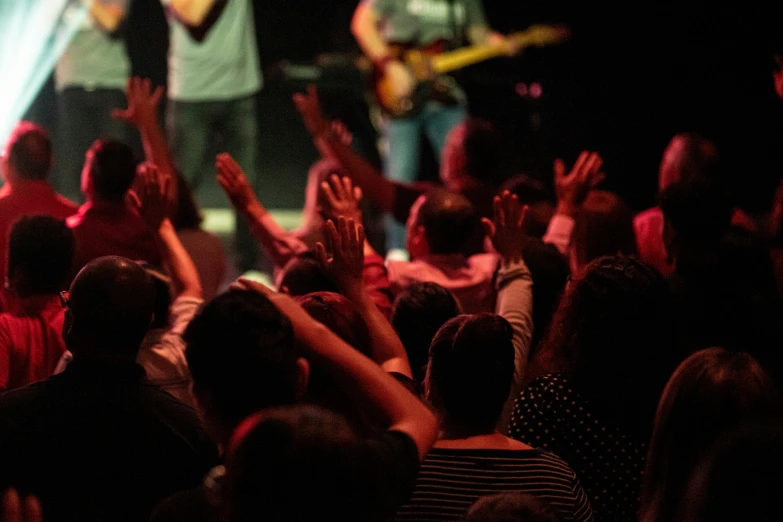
(460, 438)
(99, 202)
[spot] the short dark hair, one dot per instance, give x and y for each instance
(604, 227)
(41, 247)
(470, 371)
(302, 275)
(112, 169)
(419, 312)
(30, 151)
(699, 210)
(241, 350)
(188, 215)
(712, 391)
(299, 463)
(510, 507)
(449, 221)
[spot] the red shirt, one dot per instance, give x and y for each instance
(111, 229)
(31, 342)
(26, 198)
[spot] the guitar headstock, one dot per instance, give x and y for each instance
(539, 35)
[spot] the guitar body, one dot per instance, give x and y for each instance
(429, 65)
(408, 103)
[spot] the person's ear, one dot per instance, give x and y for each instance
(302, 377)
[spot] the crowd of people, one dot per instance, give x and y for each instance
(533, 361)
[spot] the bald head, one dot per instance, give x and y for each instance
(111, 306)
(688, 156)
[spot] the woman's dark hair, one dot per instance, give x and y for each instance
(188, 215)
(711, 392)
(613, 336)
(419, 312)
(510, 507)
(470, 371)
(738, 479)
(294, 464)
(40, 249)
(487, 156)
(302, 275)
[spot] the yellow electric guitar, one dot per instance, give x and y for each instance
(428, 65)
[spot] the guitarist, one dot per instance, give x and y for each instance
(377, 25)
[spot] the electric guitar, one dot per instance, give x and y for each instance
(428, 65)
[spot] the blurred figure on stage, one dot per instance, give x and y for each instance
(90, 79)
(214, 79)
(377, 25)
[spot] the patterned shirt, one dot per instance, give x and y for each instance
(609, 463)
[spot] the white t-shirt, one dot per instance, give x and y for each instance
(224, 66)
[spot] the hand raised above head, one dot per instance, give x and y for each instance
(346, 262)
(507, 229)
(573, 187)
(234, 182)
(338, 198)
(150, 195)
(143, 102)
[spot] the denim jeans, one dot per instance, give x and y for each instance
(404, 135)
(195, 127)
(83, 117)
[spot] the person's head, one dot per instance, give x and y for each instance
(110, 307)
(109, 171)
(28, 154)
(475, 152)
(697, 213)
(188, 215)
(688, 156)
(738, 479)
(711, 392)
(613, 335)
(419, 312)
(510, 507)
(40, 253)
(440, 222)
(242, 356)
(469, 373)
(302, 275)
(604, 227)
(341, 317)
(298, 463)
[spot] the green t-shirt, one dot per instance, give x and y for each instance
(93, 59)
(423, 22)
(225, 66)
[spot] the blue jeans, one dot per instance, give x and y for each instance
(436, 121)
(193, 129)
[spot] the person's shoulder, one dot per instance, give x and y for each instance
(646, 218)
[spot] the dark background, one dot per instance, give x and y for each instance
(630, 78)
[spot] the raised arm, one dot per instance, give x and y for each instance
(401, 411)
(572, 189)
(280, 244)
(514, 282)
(381, 191)
(152, 194)
(142, 113)
(345, 267)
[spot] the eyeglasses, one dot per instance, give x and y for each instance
(65, 300)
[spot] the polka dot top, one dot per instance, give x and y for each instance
(549, 414)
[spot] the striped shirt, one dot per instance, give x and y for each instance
(451, 480)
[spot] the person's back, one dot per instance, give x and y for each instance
(99, 442)
(39, 260)
(106, 225)
(440, 226)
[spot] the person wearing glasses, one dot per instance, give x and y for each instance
(39, 255)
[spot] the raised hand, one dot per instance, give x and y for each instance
(234, 182)
(150, 195)
(507, 228)
(346, 262)
(339, 198)
(142, 102)
(572, 188)
(16, 509)
(310, 109)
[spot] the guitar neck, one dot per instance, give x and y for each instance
(453, 60)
